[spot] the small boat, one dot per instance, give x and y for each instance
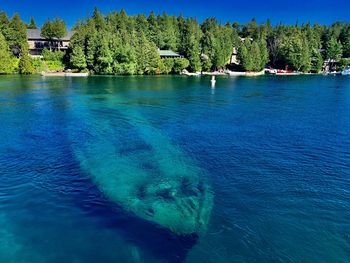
(346, 72)
(271, 71)
(235, 73)
(286, 72)
(335, 73)
(186, 73)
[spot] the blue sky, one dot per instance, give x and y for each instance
(322, 11)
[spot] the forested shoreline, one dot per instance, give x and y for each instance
(116, 43)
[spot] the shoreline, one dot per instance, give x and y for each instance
(197, 74)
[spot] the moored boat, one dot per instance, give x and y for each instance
(346, 72)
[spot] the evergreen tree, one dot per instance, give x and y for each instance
(148, 59)
(32, 24)
(333, 50)
(98, 20)
(54, 30)
(90, 44)
(264, 54)
(168, 32)
(153, 30)
(25, 63)
(104, 58)
(244, 55)
(17, 37)
(255, 57)
(191, 45)
(122, 44)
(5, 56)
(316, 61)
(180, 64)
(77, 58)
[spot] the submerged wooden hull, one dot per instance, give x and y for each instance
(153, 178)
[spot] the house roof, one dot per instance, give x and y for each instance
(168, 53)
(36, 34)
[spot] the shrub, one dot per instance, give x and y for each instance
(343, 63)
(180, 64)
(38, 65)
(167, 65)
(54, 65)
(52, 55)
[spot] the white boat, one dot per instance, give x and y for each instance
(346, 72)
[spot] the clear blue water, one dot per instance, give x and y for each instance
(274, 150)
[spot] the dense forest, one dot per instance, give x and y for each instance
(120, 44)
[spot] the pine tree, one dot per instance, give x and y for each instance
(255, 57)
(244, 55)
(333, 51)
(153, 30)
(25, 63)
(54, 30)
(191, 45)
(17, 34)
(148, 59)
(98, 20)
(104, 58)
(77, 58)
(5, 56)
(264, 53)
(90, 44)
(32, 24)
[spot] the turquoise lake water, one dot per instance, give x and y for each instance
(265, 163)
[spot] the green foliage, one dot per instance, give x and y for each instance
(55, 29)
(38, 65)
(148, 59)
(253, 55)
(104, 58)
(244, 55)
(32, 24)
(180, 64)
(173, 65)
(191, 35)
(54, 60)
(333, 49)
(6, 65)
(294, 52)
(14, 32)
(25, 63)
(54, 65)
(122, 44)
(217, 44)
(131, 41)
(167, 65)
(77, 58)
(264, 53)
(344, 63)
(316, 61)
(52, 55)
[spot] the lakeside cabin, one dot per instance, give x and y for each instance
(37, 43)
